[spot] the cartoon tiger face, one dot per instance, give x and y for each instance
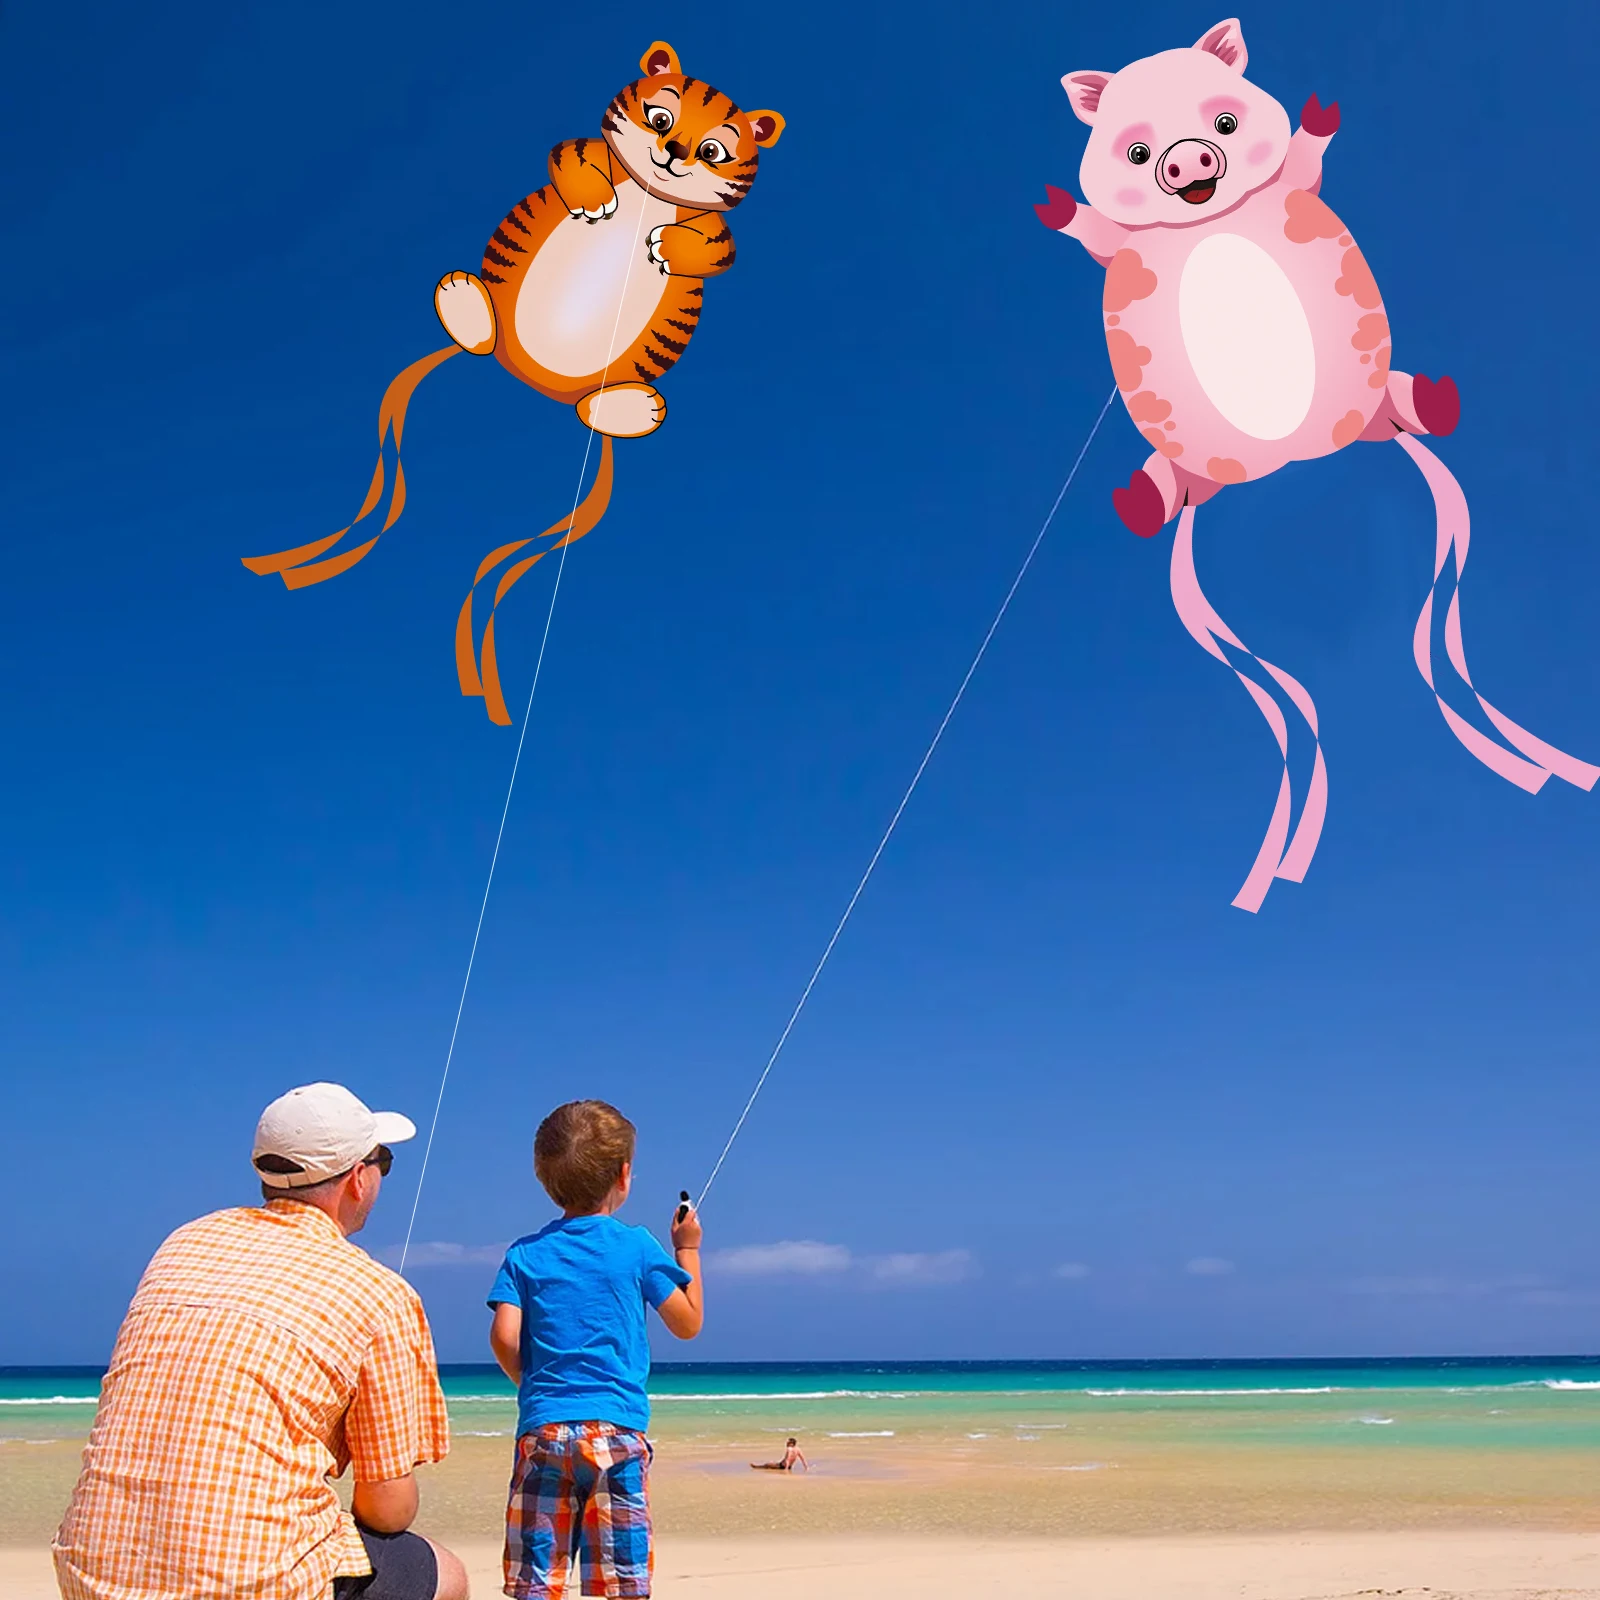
(684, 141)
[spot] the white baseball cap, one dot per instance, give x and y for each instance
(322, 1130)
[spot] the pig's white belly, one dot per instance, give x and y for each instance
(1247, 336)
(591, 290)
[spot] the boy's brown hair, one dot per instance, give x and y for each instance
(579, 1152)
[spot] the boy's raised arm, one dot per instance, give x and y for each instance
(505, 1339)
(683, 1311)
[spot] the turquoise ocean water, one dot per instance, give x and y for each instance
(1505, 1403)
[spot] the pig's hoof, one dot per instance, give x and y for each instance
(1058, 210)
(1318, 119)
(1437, 405)
(1140, 505)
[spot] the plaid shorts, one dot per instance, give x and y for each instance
(579, 1490)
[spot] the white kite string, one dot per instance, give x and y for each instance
(905, 799)
(505, 810)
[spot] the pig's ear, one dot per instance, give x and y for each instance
(1226, 43)
(1084, 90)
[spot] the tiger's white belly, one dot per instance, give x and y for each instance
(591, 290)
(1247, 336)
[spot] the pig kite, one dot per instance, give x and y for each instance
(1245, 330)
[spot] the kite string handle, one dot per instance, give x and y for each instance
(905, 800)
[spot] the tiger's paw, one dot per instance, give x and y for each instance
(623, 410)
(464, 307)
(593, 214)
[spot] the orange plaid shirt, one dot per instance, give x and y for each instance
(262, 1352)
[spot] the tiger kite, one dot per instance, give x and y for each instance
(590, 290)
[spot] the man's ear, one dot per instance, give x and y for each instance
(659, 60)
(765, 126)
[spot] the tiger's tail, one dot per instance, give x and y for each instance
(478, 671)
(299, 567)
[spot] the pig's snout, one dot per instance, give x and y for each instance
(1190, 169)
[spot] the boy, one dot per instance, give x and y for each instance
(569, 1331)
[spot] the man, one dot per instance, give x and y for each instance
(262, 1353)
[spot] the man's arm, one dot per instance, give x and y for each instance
(505, 1339)
(683, 1310)
(386, 1507)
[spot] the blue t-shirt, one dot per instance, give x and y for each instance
(583, 1284)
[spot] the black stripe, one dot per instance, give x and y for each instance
(582, 145)
(730, 199)
(502, 237)
(688, 81)
(649, 377)
(491, 254)
(710, 95)
(522, 205)
(517, 223)
(698, 293)
(633, 93)
(676, 346)
(724, 261)
(685, 328)
(491, 277)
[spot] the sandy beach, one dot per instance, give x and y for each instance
(1305, 1494)
(1503, 1565)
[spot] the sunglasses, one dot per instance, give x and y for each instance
(382, 1158)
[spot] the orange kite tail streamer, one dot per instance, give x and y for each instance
(478, 670)
(299, 567)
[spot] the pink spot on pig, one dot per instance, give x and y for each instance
(1366, 360)
(1148, 406)
(1130, 197)
(1128, 359)
(1169, 426)
(1371, 331)
(1380, 369)
(1127, 280)
(1157, 440)
(1345, 239)
(1258, 153)
(1348, 428)
(1356, 280)
(1308, 218)
(1223, 469)
(1111, 322)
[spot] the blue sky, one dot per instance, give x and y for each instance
(1053, 1096)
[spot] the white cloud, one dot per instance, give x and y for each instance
(1071, 1270)
(441, 1253)
(913, 1268)
(1208, 1267)
(786, 1258)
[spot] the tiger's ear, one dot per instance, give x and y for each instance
(765, 126)
(659, 60)
(1084, 90)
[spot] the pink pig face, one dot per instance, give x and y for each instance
(1180, 137)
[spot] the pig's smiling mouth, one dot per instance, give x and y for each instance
(1198, 192)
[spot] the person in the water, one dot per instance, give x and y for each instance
(793, 1456)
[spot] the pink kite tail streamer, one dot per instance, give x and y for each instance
(1454, 532)
(1273, 860)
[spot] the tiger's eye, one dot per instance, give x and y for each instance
(712, 150)
(1226, 123)
(1138, 154)
(659, 118)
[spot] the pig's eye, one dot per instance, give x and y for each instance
(1226, 123)
(1138, 154)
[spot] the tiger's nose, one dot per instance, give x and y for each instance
(677, 150)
